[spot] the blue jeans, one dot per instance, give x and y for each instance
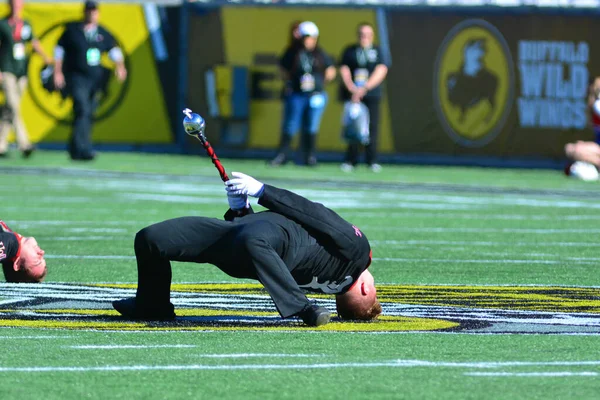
(303, 111)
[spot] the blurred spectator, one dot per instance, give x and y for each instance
(305, 70)
(363, 70)
(586, 155)
(295, 36)
(295, 41)
(78, 69)
(14, 61)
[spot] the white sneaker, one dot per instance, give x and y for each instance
(584, 171)
(347, 167)
(375, 167)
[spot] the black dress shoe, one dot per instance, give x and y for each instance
(311, 161)
(280, 159)
(314, 315)
(83, 157)
(130, 309)
(28, 152)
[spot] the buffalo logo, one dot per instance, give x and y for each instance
(473, 83)
(59, 107)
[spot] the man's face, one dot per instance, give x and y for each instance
(32, 259)
(365, 36)
(92, 16)
(310, 42)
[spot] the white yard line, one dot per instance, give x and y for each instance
(495, 364)
(532, 374)
(389, 364)
(196, 367)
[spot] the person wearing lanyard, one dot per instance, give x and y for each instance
(305, 69)
(78, 69)
(363, 70)
(13, 65)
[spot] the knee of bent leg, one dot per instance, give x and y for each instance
(570, 149)
(145, 239)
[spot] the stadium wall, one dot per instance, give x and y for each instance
(132, 113)
(526, 101)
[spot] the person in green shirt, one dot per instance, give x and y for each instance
(15, 34)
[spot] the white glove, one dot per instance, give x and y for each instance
(237, 201)
(243, 184)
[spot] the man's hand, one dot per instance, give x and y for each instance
(237, 201)
(59, 79)
(358, 94)
(242, 184)
(121, 72)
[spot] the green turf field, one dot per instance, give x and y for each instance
(488, 278)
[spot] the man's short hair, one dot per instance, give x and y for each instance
(363, 24)
(348, 311)
(20, 276)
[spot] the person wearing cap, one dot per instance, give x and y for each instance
(21, 257)
(363, 69)
(14, 61)
(305, 69)
(78, 70)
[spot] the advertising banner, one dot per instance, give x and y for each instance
(497, 85)
(129, 112)
(254, 38)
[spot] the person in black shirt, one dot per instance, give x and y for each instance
(363, 70)
(305, 69)
(297, 244)
(78, 67)
(21, 257)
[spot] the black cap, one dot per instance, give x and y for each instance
(90, 5)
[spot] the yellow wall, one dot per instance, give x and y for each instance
(138, 114)
(248, 31)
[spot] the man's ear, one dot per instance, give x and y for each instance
(17, 265)
(364, 289)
